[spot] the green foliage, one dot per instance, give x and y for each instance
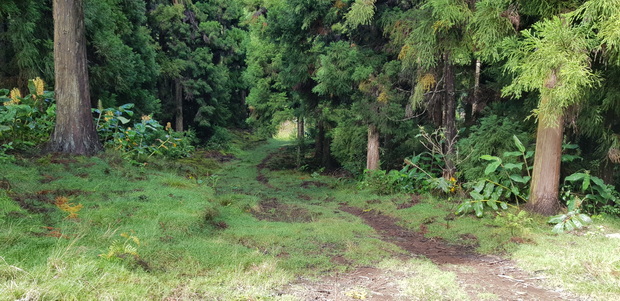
(145, 139)
(124, 250)
(572, 220)
(506, 181)
(121, 54)
(594, 195)
(492, 136)
(26, 122)
(552, 58)
(420, 174)
(360, 13)
(517, 223)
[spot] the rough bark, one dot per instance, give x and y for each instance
(546, 173)
(372, 153)
(178, 101)
(74, 132)
(449, 118)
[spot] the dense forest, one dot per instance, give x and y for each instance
(502, 113)
(452, 85)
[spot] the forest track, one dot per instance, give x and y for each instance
(476, 274)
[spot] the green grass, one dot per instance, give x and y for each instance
(174, 230)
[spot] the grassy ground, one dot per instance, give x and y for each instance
(199, 229)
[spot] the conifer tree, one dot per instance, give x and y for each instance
(553, 59)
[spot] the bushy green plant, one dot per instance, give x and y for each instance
(421, 173)
(595, 196)
(505, 179)
(145, 139)
(26, 121)
(492, 136)
(571, 220)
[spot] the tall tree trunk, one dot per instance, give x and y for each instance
(178, 101)
(75, 131)
(322, 146)
(473, 106)
(546, 174)
(372, 153)
(449, 118)
(301, 131)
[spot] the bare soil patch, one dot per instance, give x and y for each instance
(366, 283)
(217, 156)
(274, 211)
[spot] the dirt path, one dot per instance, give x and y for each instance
(491, 275)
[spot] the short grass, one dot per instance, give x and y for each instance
(197, 229)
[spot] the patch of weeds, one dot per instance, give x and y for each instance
(583, 264)
(423, 280)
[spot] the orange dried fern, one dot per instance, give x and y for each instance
(63, 204)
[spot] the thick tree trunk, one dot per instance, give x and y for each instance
(75, 131)
(372, 153)
(546, 174)
(449, 118)
(178, 101)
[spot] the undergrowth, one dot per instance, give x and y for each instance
(216, 226)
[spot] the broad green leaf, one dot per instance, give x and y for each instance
(586, 183)
(504, 205)
(488, 190)
(519, 179)
(557, 219)
(515, 190)
(558, 228)
(529, 154)
(577, 223)
(575, 177)
(497, 193)
(479, 209)
(4, 128)
(585, 218)
(570, 146)
(510, 166)
(569, 225)
(492, 204)
(123, 120)
(512, 154)
(490, 158)
(479, 186)
(476, 195)
(518, 143)
(464, 208)
(492, 167)
(570, 158)
(598, 181)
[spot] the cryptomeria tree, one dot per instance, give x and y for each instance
(553, 58)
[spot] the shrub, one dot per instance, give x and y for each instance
(27, 121)
(493, 136)
(145, 139)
